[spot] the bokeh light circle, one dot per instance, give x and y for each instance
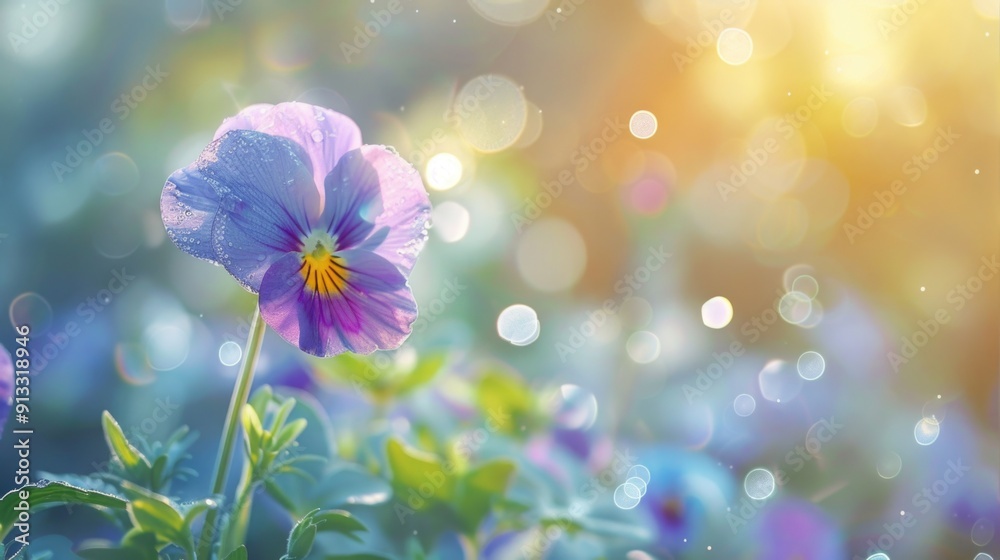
(451, 221)
(115, 174)
(860, 117)
(811, 365)
(889, 465)
(907, 106)
(643, 347)
(926, 431)
(443, 171)
(492, 112)
(184, 14)
(779, 381)
(806, 285)
(622, 498)
(642, 125)
(735, 46)
(640, 472)
(30, 309)
(518, 324)
(795, 307)
(638, 483)
(744, 405)
(166, 345)
(879, 556)
(230, 353)
(983, 531)
(759, 484)
(510, 12)
(717, 312)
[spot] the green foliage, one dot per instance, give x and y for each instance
(267, 448)
(238, 554)
(469, 496)
(151, 466)
(52, 494)
(135, 545)
(303, 534)
(507, 401)
(156, 514)
(381, 384)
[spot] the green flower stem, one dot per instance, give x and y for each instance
(240, 393)
(236, 527)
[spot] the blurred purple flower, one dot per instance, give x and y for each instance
(6, 386)
(686, 498)
(324, 229)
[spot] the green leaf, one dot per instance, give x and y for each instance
(252, 427)
(412, 468)
(339, 521)
(301, 541)
(129, 456)
(317, 440)
(288, 434)
(54, 493)
(238, 554)
(479, 489)
(156, 514)
(191, 512)
(505, 399)
(282, 414)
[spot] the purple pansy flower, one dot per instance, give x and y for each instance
(325, 229)
(6, 386)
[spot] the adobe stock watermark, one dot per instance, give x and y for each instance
(914, 169)
(785, 128)
(460, 110)
(923, 501)
(32, 25)
(580, 160)
(598, 485)
(463, 450)
(122, 106)
(87, 311)
(705, 40)
(900, 16)
(713, 372)
(561, 13)
(364, 34)
(625, 288)
(958, 297)
(820, 434)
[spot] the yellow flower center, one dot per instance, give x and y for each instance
(322, 270)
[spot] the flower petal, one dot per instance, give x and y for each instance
(6, 386)
(188, 205)
(375, 195)
(325, 135)
(373, 309)
(267, 203)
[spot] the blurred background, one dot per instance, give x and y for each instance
(740, 235)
